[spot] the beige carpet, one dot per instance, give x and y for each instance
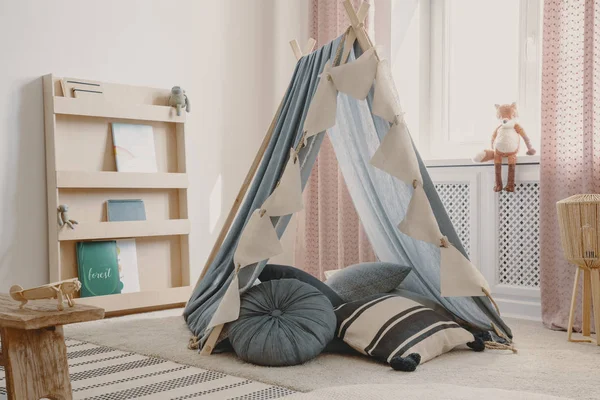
(546, 363)
(432, 391)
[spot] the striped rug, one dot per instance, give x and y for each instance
(102, 373)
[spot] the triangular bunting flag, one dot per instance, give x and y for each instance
(386, 102)
(287, 196)
(323, 106)
(396, 155)
(258, 241)
(458, 277)
(356, 78)
(229, 307)
(419, 222)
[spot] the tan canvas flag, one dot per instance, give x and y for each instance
(323, 106)
(287, 196)
(386, 102)
(458, 276)
(419, 221)
(356, 78)
(229, 307)
(396, 155)
(258, 241)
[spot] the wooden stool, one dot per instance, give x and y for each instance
(591, 294)
(34, 354)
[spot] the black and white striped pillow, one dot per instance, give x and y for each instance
(386, 326)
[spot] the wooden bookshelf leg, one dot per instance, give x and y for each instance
(596, 295)
(573, 304)
(587, 302)
(35, 364)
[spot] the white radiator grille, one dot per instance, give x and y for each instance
(456, 198)
(518, 236)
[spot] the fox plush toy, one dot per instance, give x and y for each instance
(505, 143)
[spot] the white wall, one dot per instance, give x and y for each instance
(232, 57)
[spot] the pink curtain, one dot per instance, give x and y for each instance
(570, 157)
(329, 233)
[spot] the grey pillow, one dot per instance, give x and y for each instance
(275, 271)
(365, 279)
(282, 322)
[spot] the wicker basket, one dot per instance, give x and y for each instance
(579, 221)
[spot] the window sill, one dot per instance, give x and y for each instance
(467, 162)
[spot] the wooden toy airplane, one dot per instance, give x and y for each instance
(61, 291)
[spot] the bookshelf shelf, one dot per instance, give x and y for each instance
(92, 107)
(125, 229)
(144, 301)
(80, 172)
(120, 180)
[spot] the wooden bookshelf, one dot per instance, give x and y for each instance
(81, 172)
(126, 229)
(92, 107)
(141, 301)
(122, 180)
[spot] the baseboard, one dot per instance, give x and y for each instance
(520, 308)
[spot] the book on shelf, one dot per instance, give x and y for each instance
(125, 210)
(128, 265)
(134, 147)
(74, 87)
(98, 268)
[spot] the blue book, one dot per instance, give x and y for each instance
(125, 210)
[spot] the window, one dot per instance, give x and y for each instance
(454, 59)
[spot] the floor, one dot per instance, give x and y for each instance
(103, 373)
(546, 362)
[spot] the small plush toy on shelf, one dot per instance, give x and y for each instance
(505, 144)
(179, 100)
(63, 217)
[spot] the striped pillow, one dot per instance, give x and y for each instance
(385, 326)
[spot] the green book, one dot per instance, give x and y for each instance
(98, 268)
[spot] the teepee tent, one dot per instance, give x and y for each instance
(346, 90)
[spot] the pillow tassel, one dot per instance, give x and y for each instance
(477, 345)
(406, 364)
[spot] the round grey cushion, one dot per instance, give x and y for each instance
(282, 322)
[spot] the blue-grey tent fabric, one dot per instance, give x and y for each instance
(287, 133)
(381, 202)
(380, 199)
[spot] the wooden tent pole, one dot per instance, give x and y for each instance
(308, 47)
(365, 42)
(240, 196)
(216, 331)
(259, 155)
(296, 49)
(358, 26)
(211, 341)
